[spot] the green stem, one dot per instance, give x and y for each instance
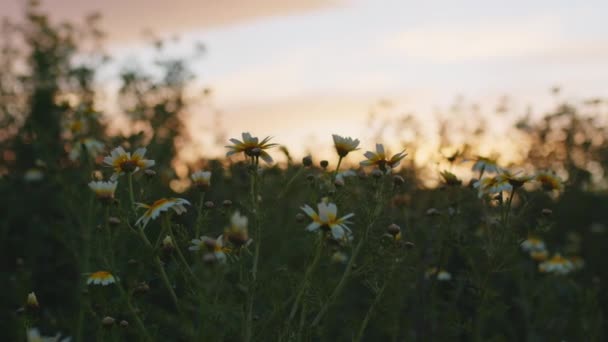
(288, 185)
(309, 271)
(349, 267)
(256, 255)
(86, 256)
(197, 227)
(338, 167)
(161, 269)
(167, 223)
(138, 322)
(370, 312)
(131, 194)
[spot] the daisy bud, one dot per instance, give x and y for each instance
(132, 262)
(32, 301)
(124, 324)
(142, 287)
(393, 229)
(377, 174)
(310, 178)
(113, 221)
(150, 173)
(227, 203)
(547, 212)
(167, 244)
(398, 180)
(108, 321)
(300, 217)
(432, 212)
(339, 182)
(324, 164)
(307, 161)
(209, 204)
(339, 258)
(409, 245)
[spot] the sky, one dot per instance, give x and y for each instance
(301, 70)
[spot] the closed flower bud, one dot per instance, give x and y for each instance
(209, 204)
(393, 229)
(167, 244)
(307, 161)
(300, 217)
(310, 178)
(409, 244)
(432, 212)
(142, 287)
(339, 182)
(324, 164)
(227, 203)
(124, 324)
(108, 321)
(547, 212)
(113, 221)
(32, 301)
(150, 173)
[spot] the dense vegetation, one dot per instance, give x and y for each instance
(238, 255)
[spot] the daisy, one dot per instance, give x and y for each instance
(251, 147)
(237, 233)
(483, 164)
(327, 219)
(33, 335)
(440, 274)
(379, 158)
(33, 175)
(103, 190)
(344, 145)
(32, 301)
(91, 146)
(492, 185)
(557, 264)
(515, 179)
(541, 255)
(549, 181)
(533, 244)
(214, 246)
(201, 179)
(103, 278)
(161, 205)
(123, 162)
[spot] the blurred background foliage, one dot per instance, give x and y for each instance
(48, 106)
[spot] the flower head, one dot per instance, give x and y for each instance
(251, 146)
(533, 244)
(557, 265)
(33, 175)
(327, 219)
(33, 335)
(483, 164)
(345, 145)
(540, 255)
(201, 179)
(103, 278)
(123, 162)
(515, 179)
(439, 274)
(549, 181)
(213, 246)
(103, 190)
(161, 205)
(237, 233)
(492, 185)
(32, 301)
(380, 159)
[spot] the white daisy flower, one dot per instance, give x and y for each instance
(153, 210)
(379, 158)
(103, 190)
(327, 219)
(557, 265)
(251, 146)
(492, 185)
(213, 246)
(123, 162)
(103, 278)
(33, 175)
(344, 145)
(33, 335)
(201, 179)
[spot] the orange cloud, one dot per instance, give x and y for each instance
(126, 20)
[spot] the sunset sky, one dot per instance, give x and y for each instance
(300, 70)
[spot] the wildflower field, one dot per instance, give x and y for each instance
(101, 240)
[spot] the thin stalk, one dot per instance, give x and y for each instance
(338, 167)
(86, 256)
(349, 267)
(309, 271)
(138, 322)
(161, 269)
(370, 312)
(288, 185)
(256, 255)
(167, 223)
(197, 227)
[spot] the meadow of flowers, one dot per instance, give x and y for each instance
(97, 245)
